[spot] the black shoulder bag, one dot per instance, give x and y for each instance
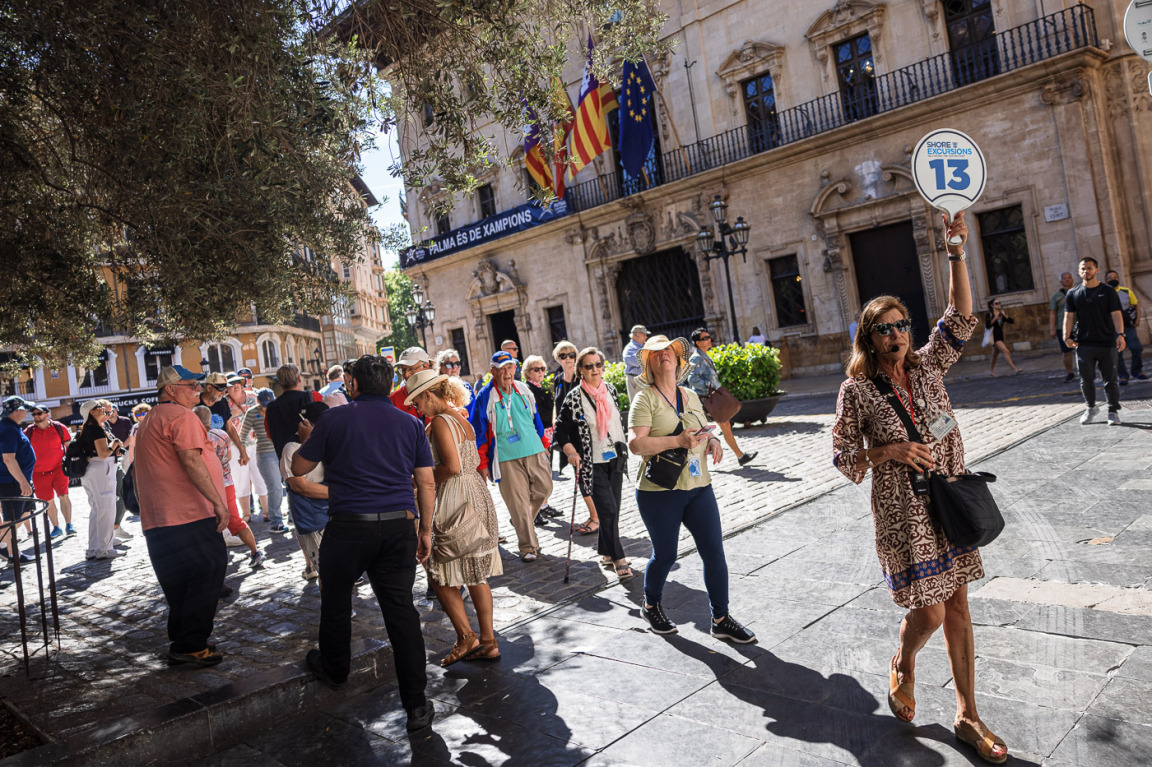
(963, 505)
(664, 468)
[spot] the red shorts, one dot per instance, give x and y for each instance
(50, 484)
(235, 523)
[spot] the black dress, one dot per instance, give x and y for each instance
(996, 325)
(544, 403)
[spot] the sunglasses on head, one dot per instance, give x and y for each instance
(566, 355)
(886, 328)
(593, 365)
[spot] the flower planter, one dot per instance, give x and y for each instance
(757, 410)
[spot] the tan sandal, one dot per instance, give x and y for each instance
(900, 696)
(461, 649)
(966, 733)
(488, 650)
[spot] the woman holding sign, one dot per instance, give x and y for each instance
(925, 572)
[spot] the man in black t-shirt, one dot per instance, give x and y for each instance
(1094, 327)
(282, 415)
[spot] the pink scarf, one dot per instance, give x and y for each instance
(603, 407)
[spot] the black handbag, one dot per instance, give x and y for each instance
(664, 468)
(963, 505)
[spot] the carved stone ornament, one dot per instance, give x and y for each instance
(932, 13)
(754, 58)
(641, 232)
(846, 19)
(485, 275)
(1141, 97)
(1058, 92)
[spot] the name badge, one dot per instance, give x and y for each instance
(941, 425)
(694, 466)
(513, 438)
(608, 454)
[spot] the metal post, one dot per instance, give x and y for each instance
(726, 254)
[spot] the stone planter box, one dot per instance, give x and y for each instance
(757, 410)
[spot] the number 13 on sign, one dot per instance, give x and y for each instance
(949, 171)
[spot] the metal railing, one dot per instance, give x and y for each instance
(1049, 36)
(34, 511)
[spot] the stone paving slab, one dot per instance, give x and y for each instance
(112, 613)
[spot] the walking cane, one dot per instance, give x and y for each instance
(572, 524)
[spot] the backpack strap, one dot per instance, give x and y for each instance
(896, 404)
(59, 432)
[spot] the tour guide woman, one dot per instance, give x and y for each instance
(589, 432)
(924, 571)
(656, 411)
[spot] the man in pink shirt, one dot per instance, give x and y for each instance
(180, 486)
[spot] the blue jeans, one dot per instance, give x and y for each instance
(269, 467)
(1132, 339)
(663, 511)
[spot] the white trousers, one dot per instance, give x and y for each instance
(99, 482)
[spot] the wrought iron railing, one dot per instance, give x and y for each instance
(1052, 35)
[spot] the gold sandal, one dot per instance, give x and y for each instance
(966, 733)
(487, 650)
(900, 696)
(461, 649)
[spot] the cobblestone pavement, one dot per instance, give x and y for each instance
(112, 613)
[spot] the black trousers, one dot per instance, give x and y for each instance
(386, 551)
(1087, 358)
(190, 561)
(607, 484)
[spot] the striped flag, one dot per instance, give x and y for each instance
(590, 135)
(560, 133)
(534, 159)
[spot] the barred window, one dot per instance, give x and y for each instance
(787, 291)
(443, 224)
(487, 200)
(1005, 246)
(557, 327)
(760, 110)
(460, 345)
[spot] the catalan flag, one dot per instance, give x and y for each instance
(534, 159)
(590, 135)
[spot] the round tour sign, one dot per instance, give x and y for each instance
(1138, 28)
(949, 171)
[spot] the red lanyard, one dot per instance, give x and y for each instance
(908, 407)
(507, 412)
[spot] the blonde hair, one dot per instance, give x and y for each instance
(443, 357)
(141, 409)
(532, 360)
(586, 351)
(863, 362)
(563, 346)
(452, 390)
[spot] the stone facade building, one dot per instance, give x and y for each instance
(802, 116)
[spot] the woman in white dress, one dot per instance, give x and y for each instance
(458, 484)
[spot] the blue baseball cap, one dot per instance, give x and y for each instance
(500, 359)
(216, 422)
(265, 397)
(174, 374)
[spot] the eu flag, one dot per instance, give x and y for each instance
(636, 122)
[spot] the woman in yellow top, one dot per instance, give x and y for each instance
(661, 406)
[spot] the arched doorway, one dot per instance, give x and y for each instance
(662, 292)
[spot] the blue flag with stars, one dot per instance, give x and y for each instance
(636, 122)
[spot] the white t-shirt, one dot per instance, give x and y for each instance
(316, 475)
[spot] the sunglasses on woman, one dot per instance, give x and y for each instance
(593, 365)
(566, 356)
(536, 370)
(886, 328)
(451, 364)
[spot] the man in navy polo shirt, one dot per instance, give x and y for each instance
(371, 452)
(16, 467)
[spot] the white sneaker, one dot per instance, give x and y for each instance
(121, 534)
(1089, 414)
(1113, 418)
(110, 554)
(231, 540)
(310, 574)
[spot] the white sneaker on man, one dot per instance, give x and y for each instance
(121, 534)
(231, 540)
(1089, 414)
(1113, 418)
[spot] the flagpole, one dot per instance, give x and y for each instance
(671, 122)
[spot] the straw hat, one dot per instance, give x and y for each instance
(422, 382)
(660, 343)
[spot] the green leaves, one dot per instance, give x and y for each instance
(614, 374)
(750, 372)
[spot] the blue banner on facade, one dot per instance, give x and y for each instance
(485, 230)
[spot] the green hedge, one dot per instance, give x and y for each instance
(750, 372)
(614, 374)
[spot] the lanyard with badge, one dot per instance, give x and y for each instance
(513, 436)
(693, 459)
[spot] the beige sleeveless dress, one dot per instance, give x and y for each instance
(478, 567)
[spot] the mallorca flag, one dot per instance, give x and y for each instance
(560, 133)
(590, 135)
(533, 156)
(637, 132)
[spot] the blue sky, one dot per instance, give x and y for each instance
(380, 181)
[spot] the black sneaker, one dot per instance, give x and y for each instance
(730, 629)
(658, 620)
(747, 458)
(551, 511)
(421, 717)
(1069, 377)
(540, 521)
(315, 663)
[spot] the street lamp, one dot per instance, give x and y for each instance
(732, 239)
(421, 313)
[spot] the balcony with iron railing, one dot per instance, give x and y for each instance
(1047, 37)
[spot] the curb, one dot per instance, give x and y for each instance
(198, 726)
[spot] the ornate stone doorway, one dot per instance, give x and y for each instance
(662, 292)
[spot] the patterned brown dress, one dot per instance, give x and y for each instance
(478, 567)
(921, 566)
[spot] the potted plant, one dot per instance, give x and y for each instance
(752, 374)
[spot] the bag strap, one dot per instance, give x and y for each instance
(59, 432)
(897, 404)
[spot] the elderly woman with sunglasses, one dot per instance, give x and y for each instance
(925, 572)
(591, 434)
(534, 373)
(448, 363)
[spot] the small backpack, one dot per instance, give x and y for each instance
(75, 462)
